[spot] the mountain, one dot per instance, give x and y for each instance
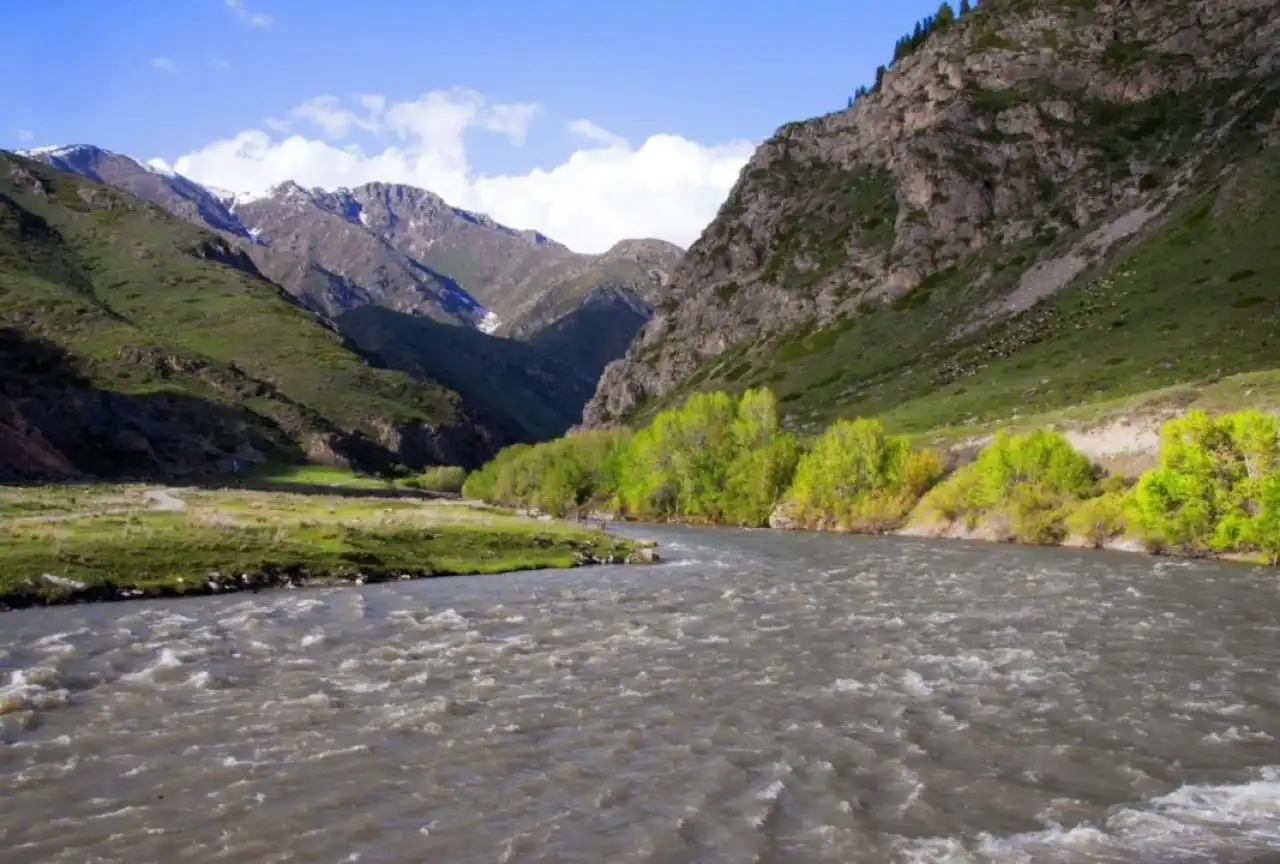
(521, 390)
(133, 342)
(1040, 203)
(406, 249)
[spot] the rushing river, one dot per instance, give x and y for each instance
(757, 698)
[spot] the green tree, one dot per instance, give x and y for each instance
(860, 478)
(1032, 481)
(1209, 486)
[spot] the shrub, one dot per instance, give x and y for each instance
(440, 478)
(1101, 519)
(1029, 480)
(859, 478)
(1210, 491)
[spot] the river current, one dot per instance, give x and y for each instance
(758, 697)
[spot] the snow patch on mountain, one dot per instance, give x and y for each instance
(489, 322)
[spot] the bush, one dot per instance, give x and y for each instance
(1030, 481)
(860, 479)
(1101, 519)
(715, 459)
(440, 478)
(1211, 490)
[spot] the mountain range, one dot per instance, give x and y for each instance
(536, 321)
(1039, 204)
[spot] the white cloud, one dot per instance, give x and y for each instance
(165, 65)
(219, 62)
(25, 136)
(590, 131)
(668, 187)
(253, 19)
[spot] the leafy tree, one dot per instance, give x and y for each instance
(1211, 484)
(758, 478)
(1031, 481)
(860, 478)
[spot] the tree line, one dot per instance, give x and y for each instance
(725, 460)
(908, 44)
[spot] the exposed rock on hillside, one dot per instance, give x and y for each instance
(1011, 155)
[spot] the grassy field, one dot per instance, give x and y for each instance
(314, 475)
(45, 501)
(236, 539)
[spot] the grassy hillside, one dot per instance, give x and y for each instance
(1197, 298)
(514, 386)
(144, 303)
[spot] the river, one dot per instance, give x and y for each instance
(758, 697)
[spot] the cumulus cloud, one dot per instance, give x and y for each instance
(165, 65)
(253, 19)
(668, 187)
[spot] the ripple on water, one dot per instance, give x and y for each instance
(758, 698)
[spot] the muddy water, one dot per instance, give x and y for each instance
(758, 698)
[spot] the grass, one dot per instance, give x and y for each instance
(315, 475)
(1214, 396)
(234, 539)
(34, 502)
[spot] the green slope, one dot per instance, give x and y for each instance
(1197, 298)
(144, 302)
(518, 388)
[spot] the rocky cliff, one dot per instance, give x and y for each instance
(962, 230)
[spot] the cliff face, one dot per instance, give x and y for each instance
(1012, 155)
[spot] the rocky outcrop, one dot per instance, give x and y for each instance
(1019, 125)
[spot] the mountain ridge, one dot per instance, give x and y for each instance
(392, 245)
(997, 174)
(134, 342)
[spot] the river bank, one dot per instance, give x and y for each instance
(91, 545)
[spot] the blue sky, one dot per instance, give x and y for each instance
(709, 71)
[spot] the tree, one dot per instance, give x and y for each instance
(965, 8)
(944, 16)
(879, 78)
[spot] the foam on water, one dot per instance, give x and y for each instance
(760, 697)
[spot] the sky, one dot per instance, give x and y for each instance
(591, 122)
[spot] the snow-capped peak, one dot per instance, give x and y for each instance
(56, 150)
(159, 166)
(489, 322)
